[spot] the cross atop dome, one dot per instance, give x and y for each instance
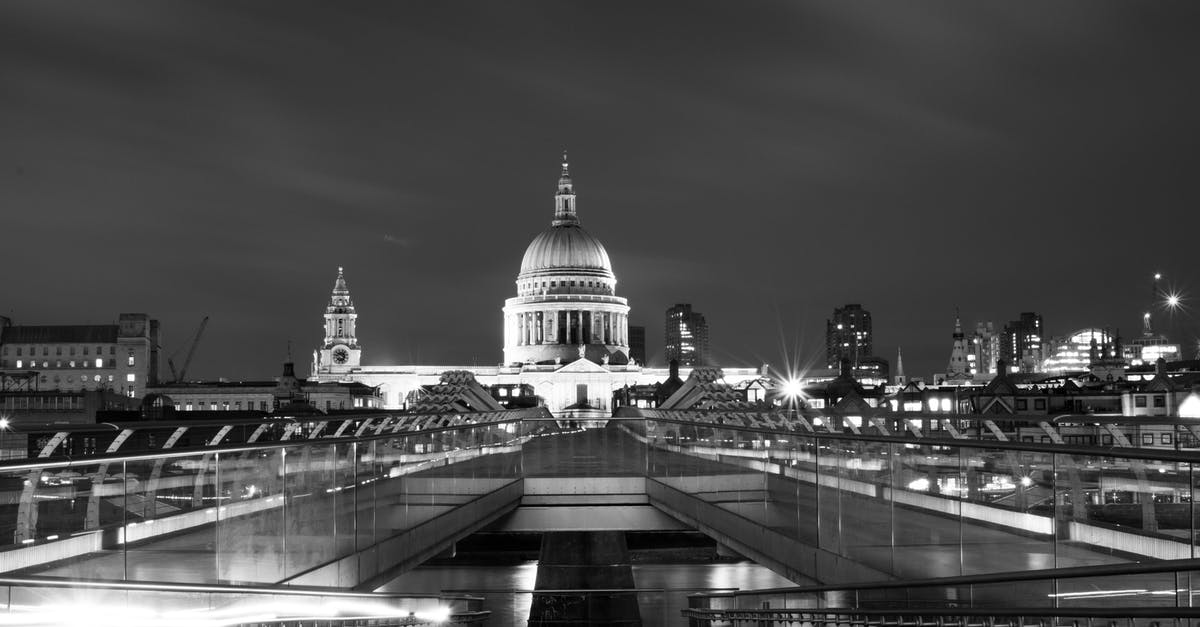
(564, 200)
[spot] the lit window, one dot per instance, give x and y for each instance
(97, 379)
(99, 362)
(18, 361)
(130, 377)
(130, 359)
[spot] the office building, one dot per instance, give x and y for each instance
(686, 336)
(848, 335)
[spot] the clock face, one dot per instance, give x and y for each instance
(340, 355)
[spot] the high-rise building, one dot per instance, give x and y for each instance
(637, 344)
(983, 349)
(686, 336)
(1021, 344)
(848, 335)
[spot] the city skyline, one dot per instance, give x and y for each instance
(766, 165)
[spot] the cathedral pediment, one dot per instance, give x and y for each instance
(582, 365)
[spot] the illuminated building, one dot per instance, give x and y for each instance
(566, 305)
(983, 349)
(871, 370)
(848, 335)
(121, 357)
(1078, 351)
(1151, 346)
(686, 336)
(566, 332)
(267, 396)
(1021, 342)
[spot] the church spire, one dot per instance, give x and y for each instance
(958, 368)
(564, 200)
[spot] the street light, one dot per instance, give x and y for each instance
(4, 426)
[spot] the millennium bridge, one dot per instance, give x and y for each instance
(904, 519)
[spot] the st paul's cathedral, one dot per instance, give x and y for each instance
(566, 332)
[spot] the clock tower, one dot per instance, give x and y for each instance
(340, 352)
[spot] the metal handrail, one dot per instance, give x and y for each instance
(1081, 612)
(166, 586)
(35, 463)
(1032, 447)
(1072, 572)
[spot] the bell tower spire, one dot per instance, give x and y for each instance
(564, 200)
(340, 351)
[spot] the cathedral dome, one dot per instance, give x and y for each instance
(565, 247)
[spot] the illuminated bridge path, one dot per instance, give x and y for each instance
(351, 504)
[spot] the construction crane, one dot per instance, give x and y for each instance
(178, 375)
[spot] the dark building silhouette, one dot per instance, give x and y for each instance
(637, 344)
(1021, 343)
(686, 336)
(848, 335)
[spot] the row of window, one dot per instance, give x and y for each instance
(218, 405)
(1148, 439)
(32, 351)
(44, 403)
(534, 285)
(1160, 400)
(58, 363)
(237, 405)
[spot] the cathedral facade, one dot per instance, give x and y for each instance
(566, 332)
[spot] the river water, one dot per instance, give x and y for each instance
(665, 586)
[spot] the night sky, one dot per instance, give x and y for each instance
(764, 161)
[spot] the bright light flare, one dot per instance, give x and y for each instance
(793, 389)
